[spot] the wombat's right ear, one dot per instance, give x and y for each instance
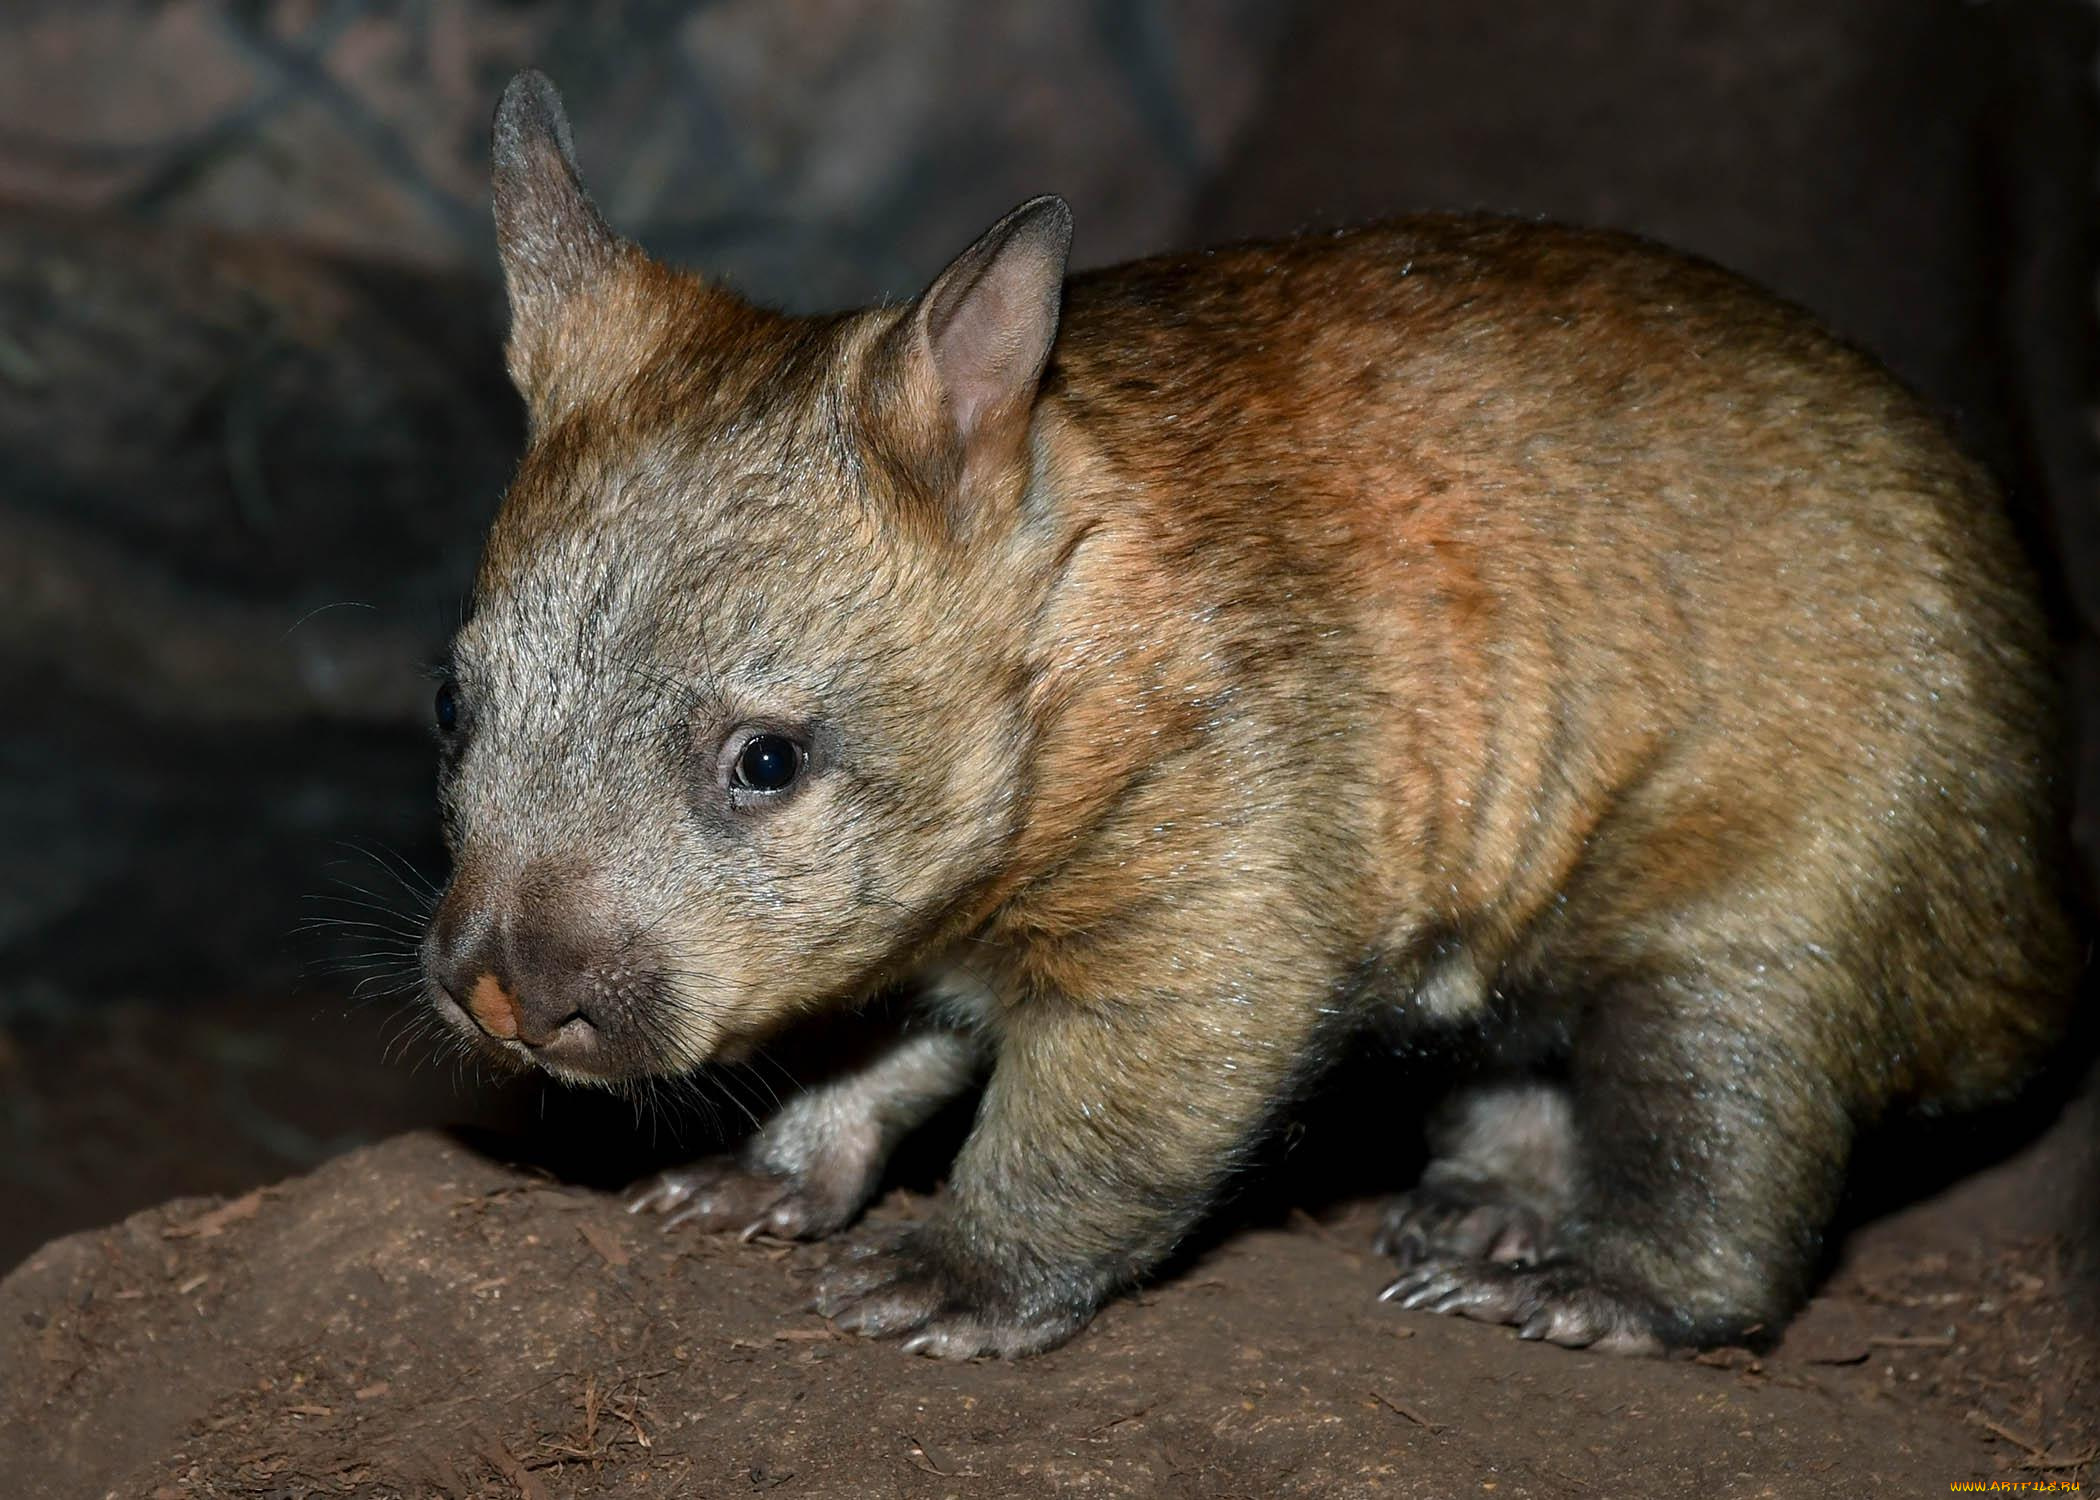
(551, 238)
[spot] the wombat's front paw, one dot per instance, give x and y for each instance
(721, 1192)
(1560, 1301)
(900, 1286)
(1462, 1223)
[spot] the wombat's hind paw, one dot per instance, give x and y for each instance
(897, 1287)
(720, 1192)
(1444, 1220)
(1559, 1301)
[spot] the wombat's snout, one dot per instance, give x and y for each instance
(536, 977)
(489, 998)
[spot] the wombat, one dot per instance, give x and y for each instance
(1462, 632)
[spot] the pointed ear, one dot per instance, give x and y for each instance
(985, 326)
(551, 238)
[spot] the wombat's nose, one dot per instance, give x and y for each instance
(522, 959)
(494, 1007)
(535, 1013)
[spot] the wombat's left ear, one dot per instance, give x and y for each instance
(985, 327)
(552, 240)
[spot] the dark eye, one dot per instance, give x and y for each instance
(447, 708)
(767, 763)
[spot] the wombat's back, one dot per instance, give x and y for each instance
(1668, 619)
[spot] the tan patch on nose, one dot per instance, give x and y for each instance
(494, 1007)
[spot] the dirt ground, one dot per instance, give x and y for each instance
(423, 1318)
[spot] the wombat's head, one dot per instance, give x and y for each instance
(741, 719)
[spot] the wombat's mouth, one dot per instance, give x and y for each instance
(584, 1029)
(574, 1048)
(533, 971)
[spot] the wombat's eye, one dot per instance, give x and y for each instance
(767, 763)
(446, 708)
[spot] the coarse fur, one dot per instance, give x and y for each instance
(1460, 628)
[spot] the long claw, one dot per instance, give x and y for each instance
(1560, 1302)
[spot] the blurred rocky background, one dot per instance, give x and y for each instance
(252, 417)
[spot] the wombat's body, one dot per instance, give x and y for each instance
(1457, 628)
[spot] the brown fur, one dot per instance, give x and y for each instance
(1463, 628)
